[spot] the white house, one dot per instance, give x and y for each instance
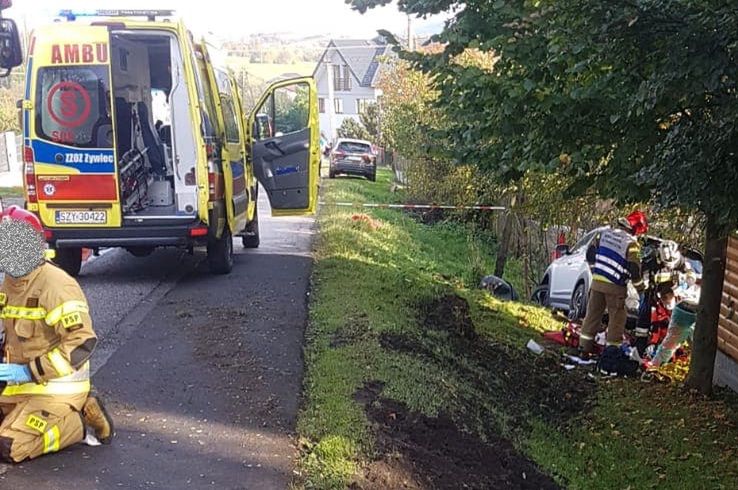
(346, 76)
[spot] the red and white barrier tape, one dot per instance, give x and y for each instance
(430, 207)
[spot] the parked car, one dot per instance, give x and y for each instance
(353, 157)
(565, 284)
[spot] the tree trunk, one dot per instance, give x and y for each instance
(704, 347)
(504, 245)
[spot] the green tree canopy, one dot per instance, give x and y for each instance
(633, 99)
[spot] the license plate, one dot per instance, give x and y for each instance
(81, 217)
(354, 159)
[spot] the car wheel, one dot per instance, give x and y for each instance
(372, 176)
(70, 260)
(540, 295)
(331, 174)
(252, 239)
(220, 253)
(578, 305)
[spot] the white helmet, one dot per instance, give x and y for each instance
(669, 253)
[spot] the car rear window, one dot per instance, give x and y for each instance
(348, 147)
(73, 106)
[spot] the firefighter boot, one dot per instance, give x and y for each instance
(97, 418)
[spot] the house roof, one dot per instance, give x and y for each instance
(361, 56)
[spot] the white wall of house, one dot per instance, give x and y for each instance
(330, 121)
(11, 167)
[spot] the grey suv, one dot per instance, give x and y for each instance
(353, 157)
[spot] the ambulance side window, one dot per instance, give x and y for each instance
(291, 108)
(206, 96)
(233, 134)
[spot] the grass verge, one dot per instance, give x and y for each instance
(374, 272)
(11, 192)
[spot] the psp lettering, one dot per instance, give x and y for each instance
(79, 53)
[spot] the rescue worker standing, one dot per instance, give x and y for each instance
(45, 402)
(615, 256)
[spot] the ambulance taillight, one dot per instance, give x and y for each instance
(30, 173)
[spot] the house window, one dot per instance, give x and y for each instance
(341, 78)
(362, 105)
(338, 106)
(321, 105)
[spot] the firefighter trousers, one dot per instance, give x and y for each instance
(36, 425)
(604, 297)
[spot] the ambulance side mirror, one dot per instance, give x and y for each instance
(11, 52)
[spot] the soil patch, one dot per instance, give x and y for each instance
(450, 313)
(517, 381)
(419, 452)
(355, 330)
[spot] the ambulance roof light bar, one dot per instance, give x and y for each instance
(151, 15)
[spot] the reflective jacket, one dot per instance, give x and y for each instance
(617, 259)
(47, 326)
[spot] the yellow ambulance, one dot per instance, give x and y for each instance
(134, 136)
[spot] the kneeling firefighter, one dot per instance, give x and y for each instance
(615, 256)
(45, 402)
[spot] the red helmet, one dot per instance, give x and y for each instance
(14, 213)
(638, 222)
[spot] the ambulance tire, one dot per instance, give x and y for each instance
(70, 260)
(220, 254)
(252, 238)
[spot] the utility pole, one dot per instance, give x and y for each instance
(329, 103)
(410, 34)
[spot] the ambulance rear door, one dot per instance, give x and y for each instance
(69, 128)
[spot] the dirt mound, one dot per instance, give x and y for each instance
(419, 452)
(521, 383)
(449, 313)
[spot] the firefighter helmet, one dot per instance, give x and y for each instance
(636, 223)
(14, 213)
(669, 254)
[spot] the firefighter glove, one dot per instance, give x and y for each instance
(15, 373)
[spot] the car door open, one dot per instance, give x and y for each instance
(285, 146)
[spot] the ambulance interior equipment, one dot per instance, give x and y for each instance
(148, 96)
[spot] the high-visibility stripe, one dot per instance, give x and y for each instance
(602, 276)
(22, 313)
(604, 259)
(51, 440)
(64, 309)
(55, 387)
(3, 299)
(609, 270)
(60, 364)
(613, 255)
(584, 336)
(614, 344)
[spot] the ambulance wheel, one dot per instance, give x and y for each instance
(70, 260)
(220, 254)
(252, 239)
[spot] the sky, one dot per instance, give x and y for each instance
(234, 18)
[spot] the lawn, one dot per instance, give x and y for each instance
(398, 328)
(11, 192)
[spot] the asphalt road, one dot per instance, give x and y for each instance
(202, 373)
